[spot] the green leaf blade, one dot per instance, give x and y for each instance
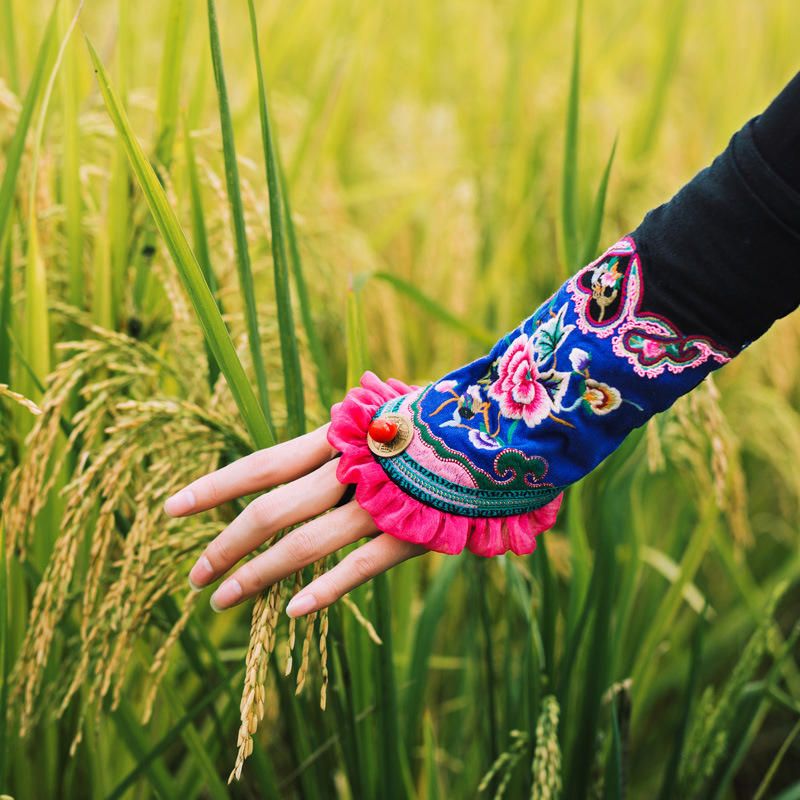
(189, 270)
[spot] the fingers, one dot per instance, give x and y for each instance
(376, 556)
(300, 547)
(264, 517)
(260, 470)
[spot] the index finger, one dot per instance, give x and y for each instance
(260, 470)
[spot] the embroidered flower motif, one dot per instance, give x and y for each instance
(609, 279)
(517, 389)
(579, 359)
(606, 280)
(550, 335)
(607, 275)
(652, 349)
(445, 386)
(600, 397)
(483, 441)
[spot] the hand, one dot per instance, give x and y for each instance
(304, 470)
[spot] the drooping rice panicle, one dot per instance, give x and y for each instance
(546, 766)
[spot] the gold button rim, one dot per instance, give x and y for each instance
(401, 440)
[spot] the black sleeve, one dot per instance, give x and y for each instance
(722, 257)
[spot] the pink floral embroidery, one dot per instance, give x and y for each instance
(653, 349)
(649, 342)
(602, 281)
(651, 345)
(518, 389)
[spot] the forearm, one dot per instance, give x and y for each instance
(482, 455)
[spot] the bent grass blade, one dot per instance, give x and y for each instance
(189, 270)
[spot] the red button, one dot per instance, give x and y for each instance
(382, 430)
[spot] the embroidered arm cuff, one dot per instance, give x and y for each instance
(480, 457)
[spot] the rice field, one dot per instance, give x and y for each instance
(213, 218)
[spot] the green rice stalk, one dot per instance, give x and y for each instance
(200, 241)
(569, 179)
(102, 300)
(189, 270)
(246, 285)
(17, 145)
(430, 779)
(136, 741)
(712, 729)
(631, 542)
(488, 690)
(433, 611)
(292, 376)
(318, 354)
(323, 97)
(355, 334)
(314, 781)
(580, 557)
(769, 775)
(548, 607)
(595, 224)
(6, 313)
(656, 105)
(118, 194)
(670, 780)
(166, 124)
(212, 784)
(597, 676)
(522, 682)
(36, 334)
(660, 623)
(70, 179)
(344, 706)
(755, 700)
(436, 310)
(614, 783)
(391, 773)
(36, 344)
(10, 44)
(5, 659)
(19, 356)
(754, 596)
(574, 640)
(390, 754)
(169, 84)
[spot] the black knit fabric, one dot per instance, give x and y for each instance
(777, 133)
(722, 257)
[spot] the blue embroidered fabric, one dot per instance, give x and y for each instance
(506, 433)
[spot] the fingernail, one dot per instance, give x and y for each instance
(301, 604)
(227, 594)
(201, 573)
(181, 503)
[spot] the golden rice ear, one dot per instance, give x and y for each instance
(263, 637)
(697, 435)
(132, 453)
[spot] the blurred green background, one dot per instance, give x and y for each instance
(441, 169)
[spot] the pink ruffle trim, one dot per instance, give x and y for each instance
(403, 516)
